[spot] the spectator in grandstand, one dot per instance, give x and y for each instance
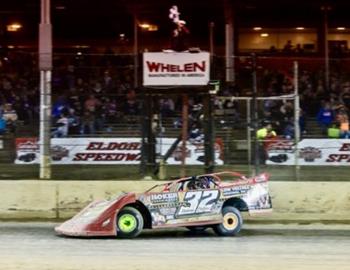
(97, 90)
(27, 109)
(110, 109)
(61, 127)
(131, 110)
(219, 104)
(288, 47)
(10, 116)
(167, 107)
(80, 85)
(60, 106)
(73, 122)
(345, 95)
(74, 98)
(288, 131)
(298, 48)
(69, 78)
(196, 135)
(123, 86)
(2, 125)
(177, 123)
(87, 123)
(287, 110)
(333, 131)
(100, 118)
(131, 107)
(131, 94)
(107, 81)
(91, 103)
(325, 117)
(264, 134)
(342, 119)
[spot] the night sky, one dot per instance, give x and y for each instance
(109, 18)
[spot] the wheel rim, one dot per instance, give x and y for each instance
(230, 221)
(127, 223)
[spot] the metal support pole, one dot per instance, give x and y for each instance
(211, 41)
(229, 53)
(229, 48)
(143, 134)
(148, 152)
(184, 133)
(255, 117)
(209, 134)
(296, 120)
(326, 49)
(249, 135)
(45, 67)
(136, 53)
(151, 140)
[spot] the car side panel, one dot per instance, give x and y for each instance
(255, 195)
(184, 208)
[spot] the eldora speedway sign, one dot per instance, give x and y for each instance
(107, 151)
(321, 152)
(184, 68)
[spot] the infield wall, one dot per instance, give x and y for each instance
(292, 201)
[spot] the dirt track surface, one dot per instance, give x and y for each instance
(35, 246)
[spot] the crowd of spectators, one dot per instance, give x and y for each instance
(89, 105)
(328, 106)
(87, 99)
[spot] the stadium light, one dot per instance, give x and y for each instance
(341, 28)
(148, 27)
(13, 27)
(257, 28)
(264, 34)
(300, 28)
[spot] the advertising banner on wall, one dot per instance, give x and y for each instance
(108, 151)
(174, 68)
(328, 152)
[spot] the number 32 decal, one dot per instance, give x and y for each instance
(198, 202)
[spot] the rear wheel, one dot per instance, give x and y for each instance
(232, 222)
(129, 222)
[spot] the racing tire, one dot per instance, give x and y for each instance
(231, 224)
(129, 222)
(197, 229)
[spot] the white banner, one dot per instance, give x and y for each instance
(108, 151)
(328, 152)
(176, 68)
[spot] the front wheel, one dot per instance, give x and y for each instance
(232, 222)
(129, 222)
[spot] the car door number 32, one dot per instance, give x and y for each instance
(198, 202)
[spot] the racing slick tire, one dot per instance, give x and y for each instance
(232, 222)
(129, 222)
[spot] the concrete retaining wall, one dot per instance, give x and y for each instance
(292, 201)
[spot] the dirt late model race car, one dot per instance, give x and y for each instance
(197, 202)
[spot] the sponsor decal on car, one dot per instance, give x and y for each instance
(232, 191)
(164, 198)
